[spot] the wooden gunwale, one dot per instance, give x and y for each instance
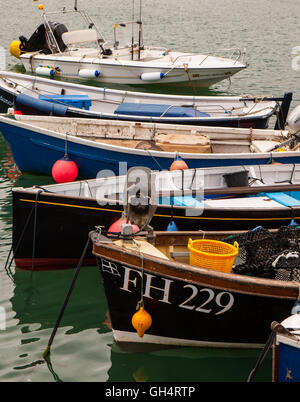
(178, 271)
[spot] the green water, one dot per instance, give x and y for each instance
(83, 348)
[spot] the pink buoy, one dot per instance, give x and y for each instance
(64, 170)
(116, 226)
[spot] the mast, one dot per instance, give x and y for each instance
(140, 30)
(132, 28)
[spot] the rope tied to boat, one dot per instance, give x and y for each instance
(250, 135)
(46, 352)
(33, 209)
(276, 328)
(140, 303)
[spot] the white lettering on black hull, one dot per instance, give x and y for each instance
(212, 301)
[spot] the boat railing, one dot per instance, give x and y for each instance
(239, 110)
(240, 54)
(158, 48)
(50, 34)
(197, 108)
(233, 51)
(186, 66)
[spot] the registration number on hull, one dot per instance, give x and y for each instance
(202, 300)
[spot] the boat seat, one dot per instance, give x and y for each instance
(81, 36)
(263, 146)
(183, 142)
(284, 199)
(157, 110)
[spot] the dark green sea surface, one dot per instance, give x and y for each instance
(84, 349)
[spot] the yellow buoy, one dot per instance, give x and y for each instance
(141, 321)
(41, 6)
(14, 48)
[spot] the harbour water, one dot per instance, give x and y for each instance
(83, 348)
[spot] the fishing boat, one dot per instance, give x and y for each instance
(37, 142)
(193, 290)
(42, 96)
(189, 305)
(210, 199)
(55, 50)
(286, 349)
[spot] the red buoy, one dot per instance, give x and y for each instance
(116, 226)
(178, 164)
(64, 170)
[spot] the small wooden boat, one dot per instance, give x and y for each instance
(55, 50)
(37, 142)
(187, 200)
(189, 302)
(35, 95)
(192, 289)
(286, 351)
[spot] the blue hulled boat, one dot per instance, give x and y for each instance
(37, 142)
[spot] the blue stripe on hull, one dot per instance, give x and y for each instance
(36, 153)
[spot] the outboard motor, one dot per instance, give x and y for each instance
(293, 121)
(38, 40)
(140, 200)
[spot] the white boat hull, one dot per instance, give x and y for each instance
(199, 72)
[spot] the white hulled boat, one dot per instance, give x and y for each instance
(54, 50)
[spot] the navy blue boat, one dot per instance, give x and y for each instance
(35, 95)
(182, 206)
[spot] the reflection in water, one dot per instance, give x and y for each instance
(37, 301)
(38, 297)
(187, 364)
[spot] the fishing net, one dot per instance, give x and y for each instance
(285, 266)
(288, 237)
(266, 255)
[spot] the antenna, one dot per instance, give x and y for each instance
(132, 24)
(140, 30)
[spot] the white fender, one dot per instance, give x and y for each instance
(46, 71)
(86, 73)
(152, 76)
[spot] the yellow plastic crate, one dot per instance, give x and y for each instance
(212, 254)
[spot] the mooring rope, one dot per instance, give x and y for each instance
(262, 355)
(51, 339)
(140, 303)
(7, 263)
